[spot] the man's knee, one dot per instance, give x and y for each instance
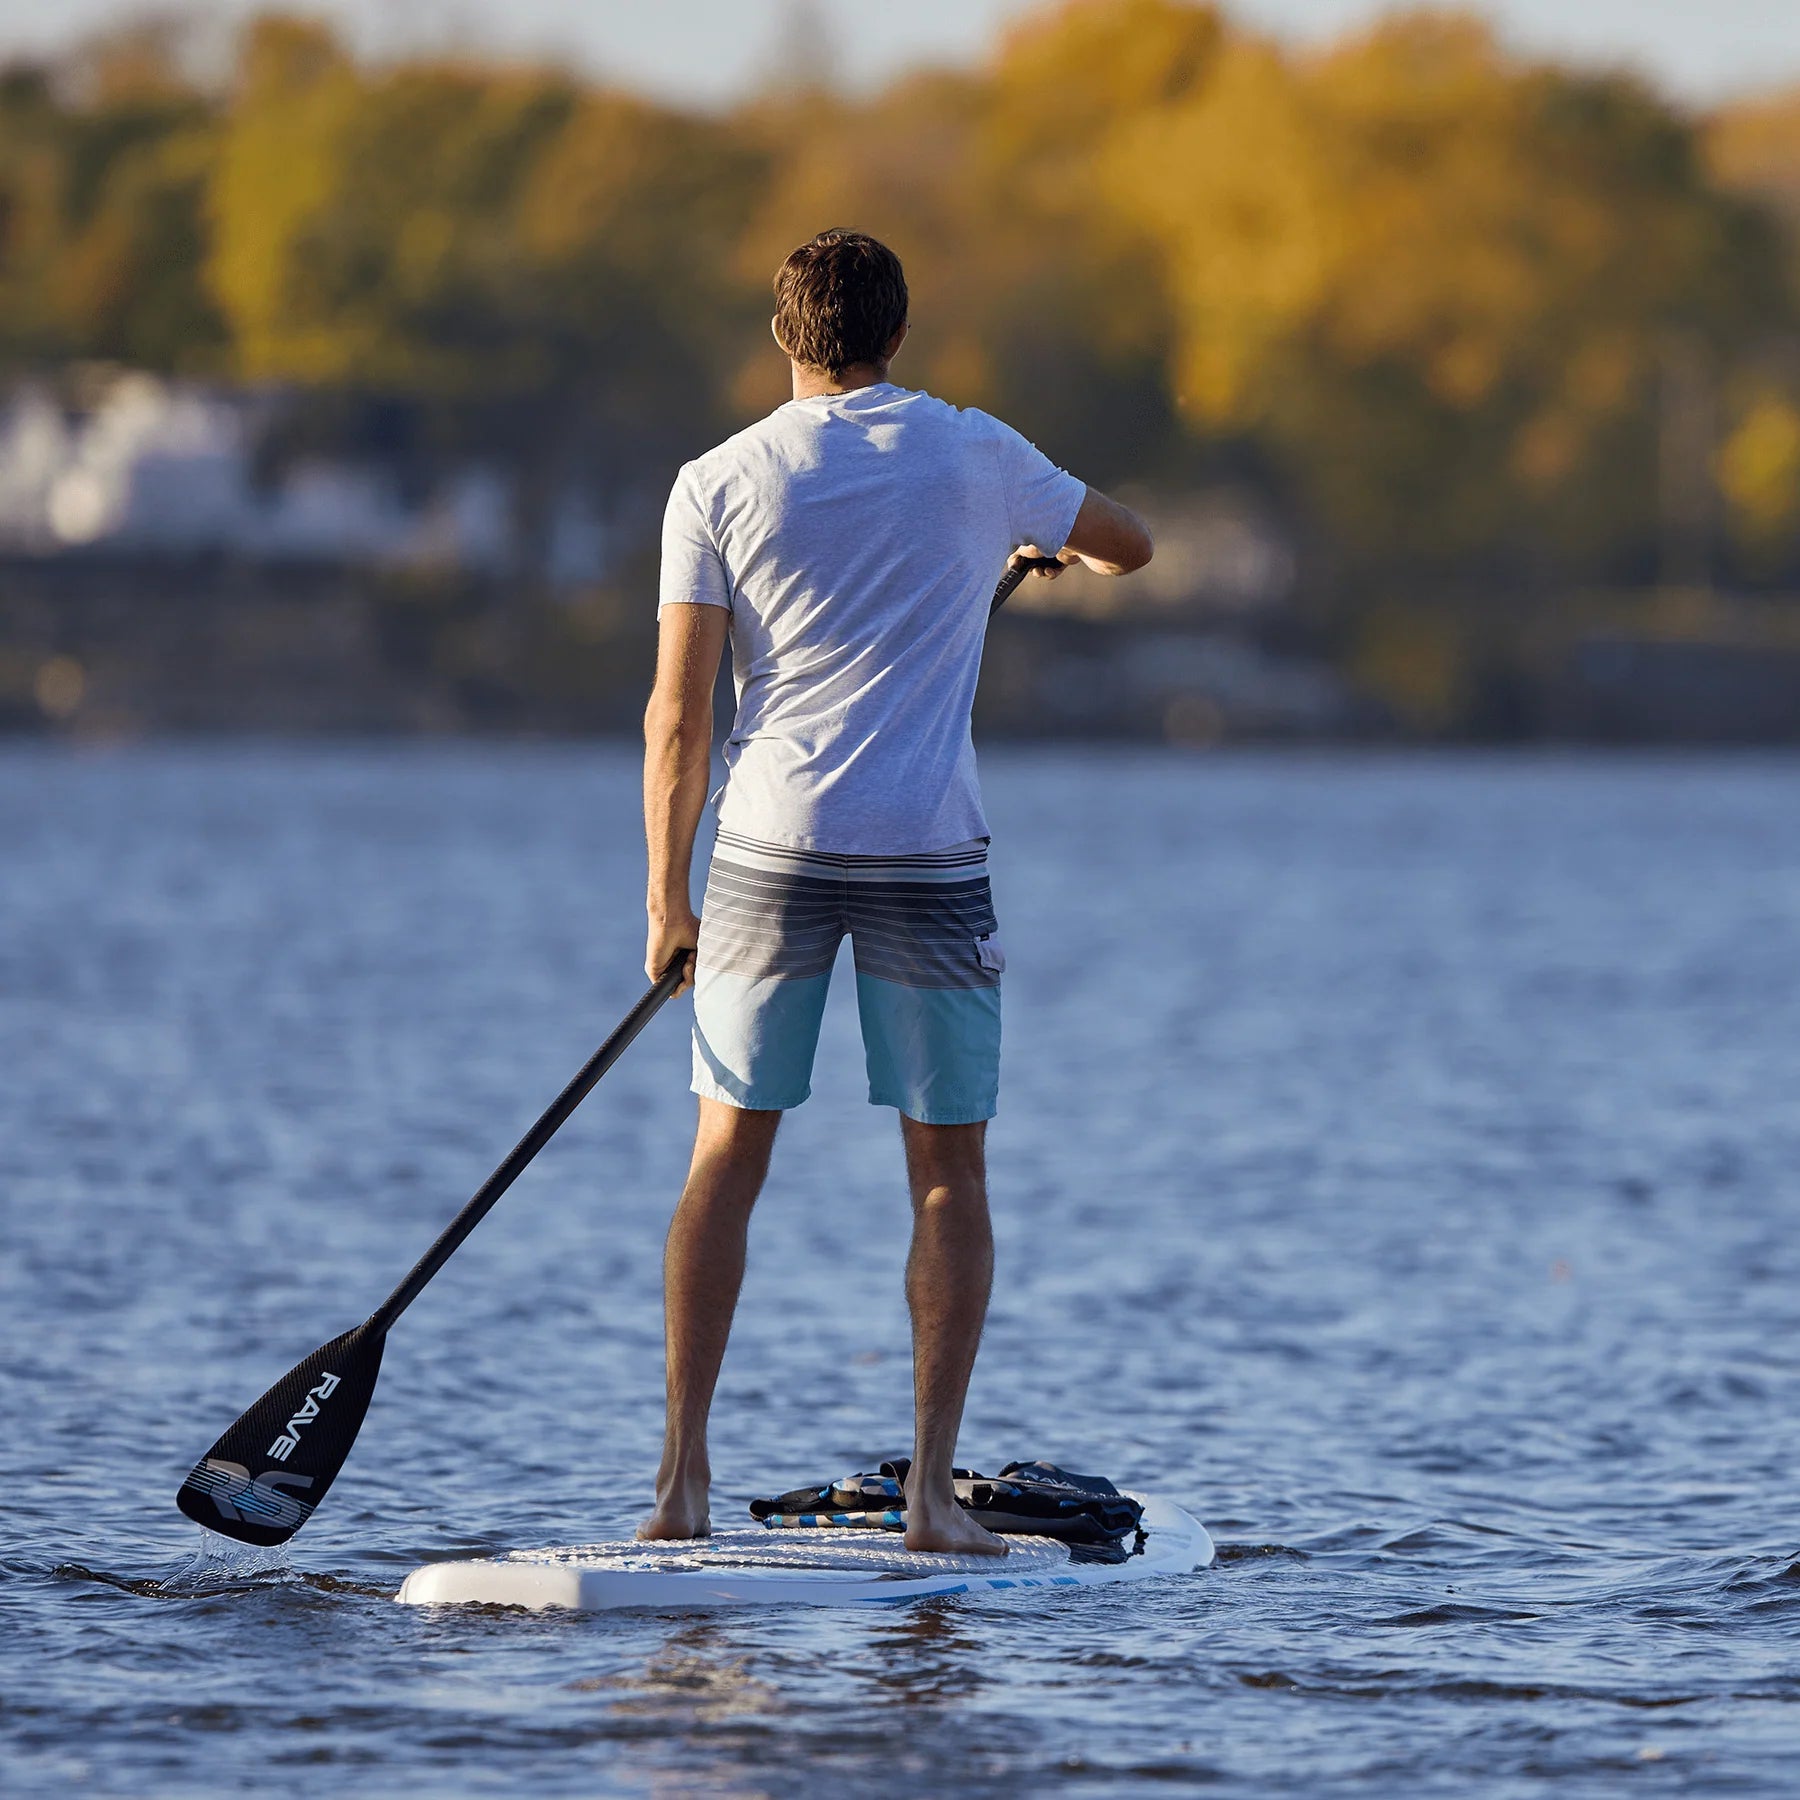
(735, 1141)
(946, 1164)
(736, 1127)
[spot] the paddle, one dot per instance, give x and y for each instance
(297, 1436)
(1015, 573)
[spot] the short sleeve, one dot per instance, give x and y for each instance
(693, 573)
(1041, 499)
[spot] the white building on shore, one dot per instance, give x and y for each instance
(162, 467)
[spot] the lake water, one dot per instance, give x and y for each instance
(1398, 1166)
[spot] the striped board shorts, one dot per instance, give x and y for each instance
(928, 967)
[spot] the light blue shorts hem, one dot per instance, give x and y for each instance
(925, 1115)
(745, 1100)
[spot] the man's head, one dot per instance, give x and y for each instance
(840, 301)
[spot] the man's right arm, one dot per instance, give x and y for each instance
(677, 767)
(1109, 538)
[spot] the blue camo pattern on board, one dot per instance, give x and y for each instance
(893, 1519)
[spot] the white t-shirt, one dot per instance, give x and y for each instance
(855, 540)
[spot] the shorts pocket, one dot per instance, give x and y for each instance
(989, 953)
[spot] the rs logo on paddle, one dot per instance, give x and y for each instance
(289, 1441)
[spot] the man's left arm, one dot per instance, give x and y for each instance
(677, 767)
(1107, 536)
(1045, 506)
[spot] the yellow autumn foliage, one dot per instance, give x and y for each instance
(283, 153)
(1421, 287)
(1759, 471)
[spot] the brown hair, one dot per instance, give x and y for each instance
(839, 300)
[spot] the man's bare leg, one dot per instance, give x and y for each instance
(703, 1268)
(948, 1274)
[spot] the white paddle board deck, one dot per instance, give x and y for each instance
(793, 1567)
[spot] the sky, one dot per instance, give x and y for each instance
(706, 52)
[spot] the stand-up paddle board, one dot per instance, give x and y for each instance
(794, 1568)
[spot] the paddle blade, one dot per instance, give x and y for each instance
(262, 1480)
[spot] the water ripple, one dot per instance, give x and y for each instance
(1420, 1215)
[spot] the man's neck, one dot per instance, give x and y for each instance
(810, 382)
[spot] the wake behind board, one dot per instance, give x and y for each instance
(811, 1568)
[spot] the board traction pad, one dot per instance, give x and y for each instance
(870, 1558)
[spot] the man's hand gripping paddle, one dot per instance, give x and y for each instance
(1015, 573)
(265, 1477)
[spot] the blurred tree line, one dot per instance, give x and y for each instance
(1451, 306)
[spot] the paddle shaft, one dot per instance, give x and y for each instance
(555, 1115)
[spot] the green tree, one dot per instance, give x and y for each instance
(103, 183)
(536, 264)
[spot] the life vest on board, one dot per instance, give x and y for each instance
(1026, 1499)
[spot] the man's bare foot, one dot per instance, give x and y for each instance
(682, 1510)
(951, 1531)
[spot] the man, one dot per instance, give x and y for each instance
(847, 546)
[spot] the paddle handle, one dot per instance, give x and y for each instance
(1016, 572)
(555, 1116)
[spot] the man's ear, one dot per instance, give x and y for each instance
(775, 333)
(894, 343)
